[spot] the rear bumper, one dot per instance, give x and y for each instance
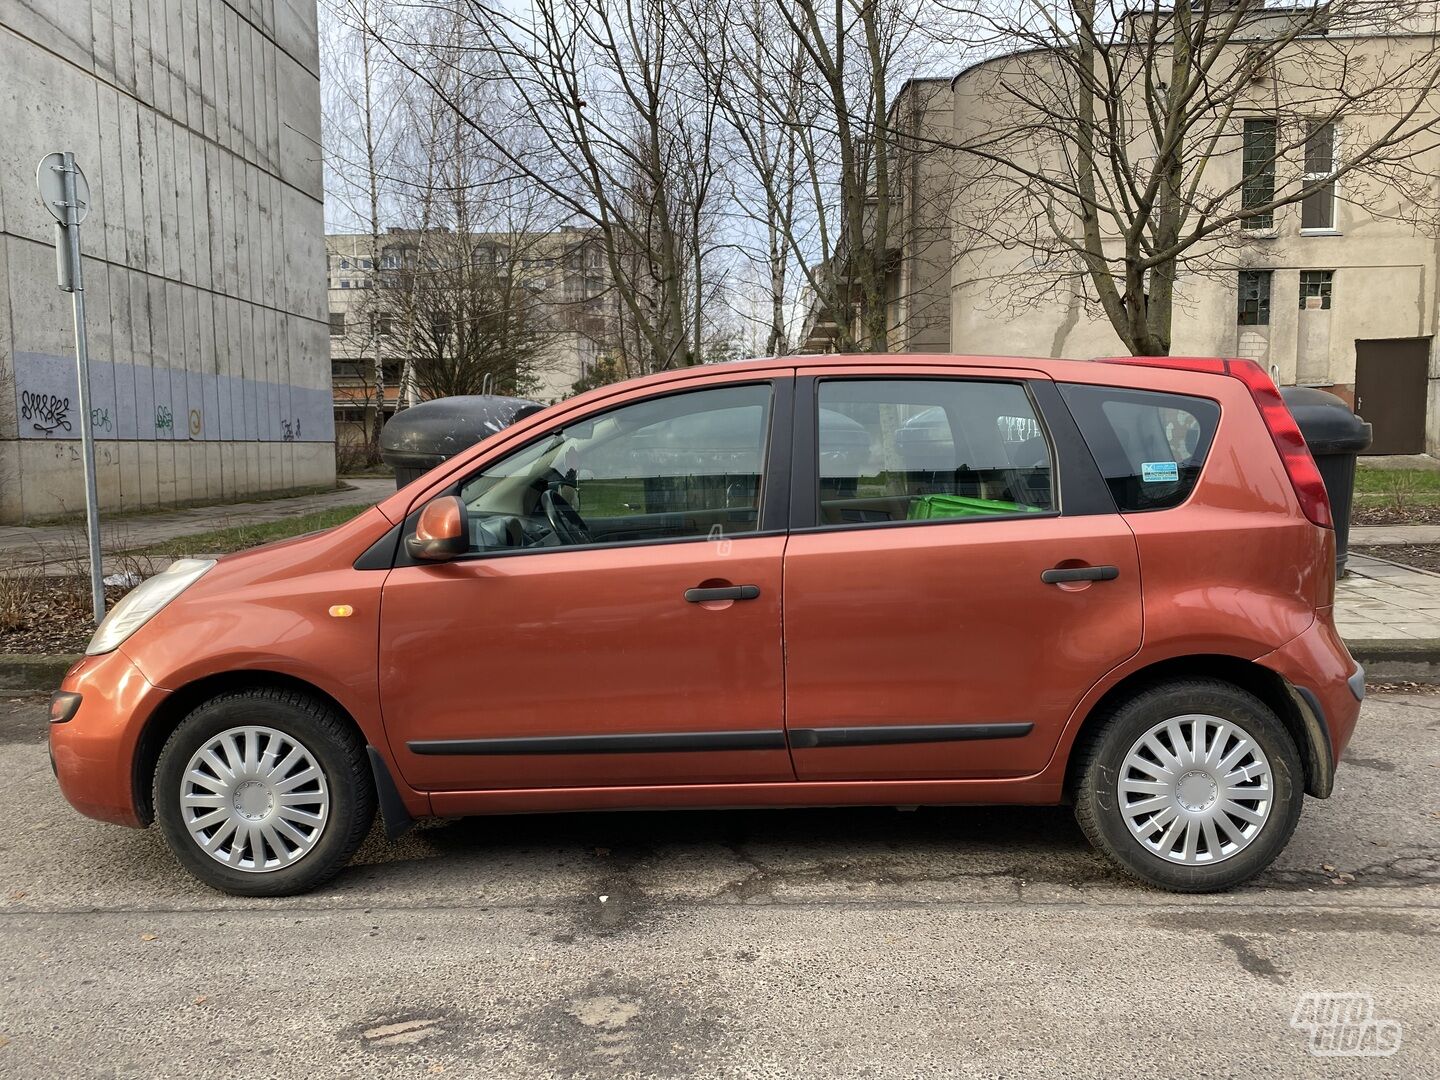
(93, 753)
(1330, 687)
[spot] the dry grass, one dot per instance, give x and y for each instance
(17, 594)
(46, 606)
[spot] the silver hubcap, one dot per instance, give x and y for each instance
(254, 799)
(1195, 789)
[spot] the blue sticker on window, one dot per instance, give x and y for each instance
(1159, 472)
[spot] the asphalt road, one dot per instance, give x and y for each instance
(847, 943)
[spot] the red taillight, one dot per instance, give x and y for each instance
(1299, 464)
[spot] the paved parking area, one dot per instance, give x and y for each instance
(846, 943)
(1378, 600)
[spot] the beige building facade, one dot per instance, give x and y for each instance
(197, 123)
(1338, 293)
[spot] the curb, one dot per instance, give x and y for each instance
(28, 671)
(1398, 659)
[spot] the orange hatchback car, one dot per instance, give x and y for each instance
(798, 582)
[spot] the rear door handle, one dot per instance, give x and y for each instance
(1059, 574)
(726, 592)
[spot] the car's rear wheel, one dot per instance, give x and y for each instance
(263, 792)
(1194, 786)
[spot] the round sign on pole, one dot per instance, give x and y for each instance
(50, 179)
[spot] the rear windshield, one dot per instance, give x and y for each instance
(1150, 446)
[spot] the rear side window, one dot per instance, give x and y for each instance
(905, 450)
(1150, 446)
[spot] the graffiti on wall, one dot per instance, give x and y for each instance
(46, 413)
(137, 401)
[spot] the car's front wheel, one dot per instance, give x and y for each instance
(1194, 786)
(263, 792)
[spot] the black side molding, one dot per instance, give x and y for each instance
(892, 734)
(640, 743)
(392, 808)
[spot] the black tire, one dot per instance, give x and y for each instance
(336, 748)
(1098, 763)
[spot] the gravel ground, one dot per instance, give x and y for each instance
(1364, 514)
(967, 942)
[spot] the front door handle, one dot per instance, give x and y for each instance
(727, 592)
(1059, 574)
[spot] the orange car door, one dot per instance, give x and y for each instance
(956, 577)
(617, 619)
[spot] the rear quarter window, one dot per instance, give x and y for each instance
(1150, 446)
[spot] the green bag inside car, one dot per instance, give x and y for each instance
(926, 507)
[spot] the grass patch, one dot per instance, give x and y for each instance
(238, 537)
(1386, 481)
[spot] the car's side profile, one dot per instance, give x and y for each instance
(808, 581)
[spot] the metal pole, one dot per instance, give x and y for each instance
(82, 358)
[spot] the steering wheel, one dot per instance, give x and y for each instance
(564, 519)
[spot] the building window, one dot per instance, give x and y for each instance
(1317, 211)
(344, 283)
(1315, 286)
(337, 323)
(1254, 298)
(385, 325)
(344, 264)
(1258, 187)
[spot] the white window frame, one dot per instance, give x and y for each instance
(1309, 178)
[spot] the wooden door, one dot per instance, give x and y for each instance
(1391, 391)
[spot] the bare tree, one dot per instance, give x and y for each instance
(754, 70)
(471, 325)
(361, 109)
(1117, 146)
(852, 49)
(621, 143)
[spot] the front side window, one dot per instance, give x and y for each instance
(337, 323)
(924, 449)
(670, 468)
(1317, 211)
(1254, 288)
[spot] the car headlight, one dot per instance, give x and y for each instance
(137, 606)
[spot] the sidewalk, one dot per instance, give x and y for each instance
(1379, 600)
(24, 545)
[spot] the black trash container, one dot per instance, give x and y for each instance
(416, 440)
(1335, 436)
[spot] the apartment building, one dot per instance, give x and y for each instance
(424, 283)
(1339, 291)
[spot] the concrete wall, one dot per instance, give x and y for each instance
(197, 123)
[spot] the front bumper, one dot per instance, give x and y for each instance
(93, 753)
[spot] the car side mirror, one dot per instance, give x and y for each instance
(441, 532)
